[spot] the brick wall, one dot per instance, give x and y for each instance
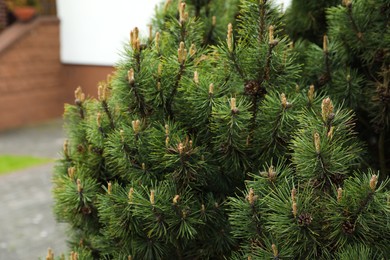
(34, 85)
(30, 71)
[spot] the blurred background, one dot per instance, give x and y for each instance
(47, 49)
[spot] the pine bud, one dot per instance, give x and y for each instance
(136, 126)
(230, 37)
(297, 88)
(122, 135)
(130, 195)
(166, 130)
(99, 119)
(79, 187)
(330, 133)
(249, 257)
(251, 197)
(134, 39)
(158, 86)
(293, 194)
(275, 250)
(283, 99)
(175, 199)
(347, 3)
(129, 257)
(271, 34)
(157, 41)
(71, 172)
(196, 77)
(150, 32)
(192, 50)
(190, 143)
(348, 78)
(130, 76)
(50, 254)
(181, 53)
(143, 166)
(66, 148)
(325, 43)
(271, 173)
(339, 194)
(233, 106)
(213, 20)
(180, 148)
(326, 109)
(109, 187)
(167, 139)
(182, 14)
(373, 182)
(211, 88)
(74, 256)
(79, 96)
(310, 94)
(317, 142)
(202, 208)
(152, 197)
(294, 209)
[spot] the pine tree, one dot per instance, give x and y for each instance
(203, 146)
(353, 67)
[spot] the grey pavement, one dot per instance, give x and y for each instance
(27, 224)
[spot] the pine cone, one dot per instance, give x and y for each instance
(304, 219)
(348, 227)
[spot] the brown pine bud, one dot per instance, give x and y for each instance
(294, 209)
(196, 77)
(79, 187)
(180, 148)
(347, 3)
(71, 172)
(167, 139)
(275, 250)
(283, 100)
(152, 197)
(192, 50)
(122, 135)
(157, 41)
(233, 106)
(136, 126)
(251, 197)
(79, 96)
(230, 37)
(176, 199)
(150, 32)
(211, 88)
(143, 166)
(182, 14)
(317, 142)
(181, 53)
(271, 34)
(99, 119)
(130, 76)
(271, 173)
(129, 257)
(66, 148)
(109, 187)
(293, 195)
(310, 94)
(339, 194)
(166, 130)
(325, 43)
(50, 254)
(130, 195)
(330, 133)
(326, 109)
(373, 182)
(213, 20)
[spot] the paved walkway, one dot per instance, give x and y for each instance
(27, 224)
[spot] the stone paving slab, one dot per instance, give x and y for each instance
(27, 224)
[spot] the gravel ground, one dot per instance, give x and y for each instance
(27, 223)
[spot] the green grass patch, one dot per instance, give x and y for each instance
(10, 163)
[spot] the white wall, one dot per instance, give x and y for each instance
(93, 31)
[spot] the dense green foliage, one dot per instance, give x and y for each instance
(208, 142)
